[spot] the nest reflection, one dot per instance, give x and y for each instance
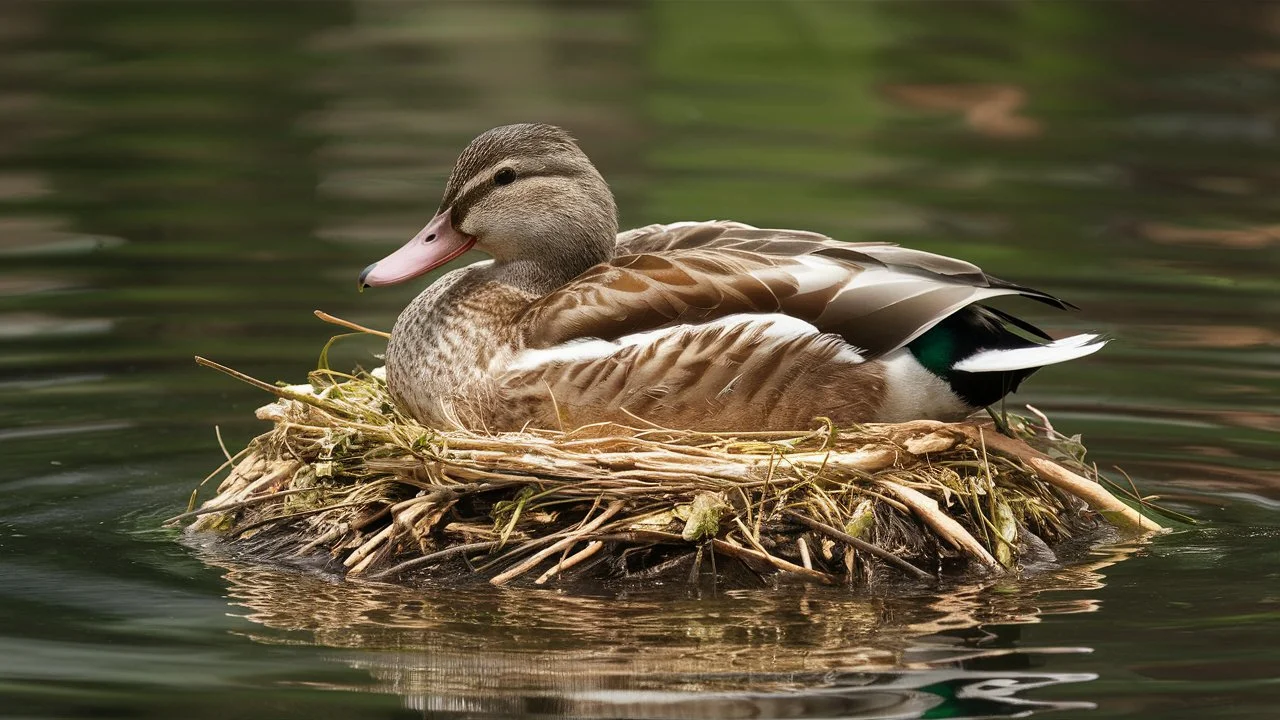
(801, 650)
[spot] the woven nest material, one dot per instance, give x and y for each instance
(346, 478)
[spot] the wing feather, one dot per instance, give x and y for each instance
(877, 296)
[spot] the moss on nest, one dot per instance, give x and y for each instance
(346, 477)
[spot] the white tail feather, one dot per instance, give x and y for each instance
(1076, 346)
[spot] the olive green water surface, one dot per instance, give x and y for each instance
(196, 178)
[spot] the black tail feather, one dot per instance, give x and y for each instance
(967, 332)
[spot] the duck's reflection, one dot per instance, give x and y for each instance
(799, 651)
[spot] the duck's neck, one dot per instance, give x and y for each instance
(551, 264)
(534, 277)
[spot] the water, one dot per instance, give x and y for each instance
(195, 178)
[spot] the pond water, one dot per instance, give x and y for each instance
(196, 178)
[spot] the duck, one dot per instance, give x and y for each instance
(700, 326)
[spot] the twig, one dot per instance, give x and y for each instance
(863, 545)
(432, 557)
(803, 547)
(591, 549)
(1110, 507)
(195, 492)
(350, 325)
(330, 536)
(217, 431)
(777, 562)
(528, 546)
(647, 536)
(1097, 497)
(356, 559)
(285, 393)
(236, 505)
(240, 531)
(1050, 433)
(503, 578)
(942, 523)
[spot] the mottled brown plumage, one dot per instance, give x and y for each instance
(714, 325)
(703, 271)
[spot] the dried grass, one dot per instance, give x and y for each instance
(345, 476)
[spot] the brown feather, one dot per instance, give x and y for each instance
(710, 377)
(528, 339)
(700, 272)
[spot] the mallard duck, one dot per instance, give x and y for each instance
(693, 325)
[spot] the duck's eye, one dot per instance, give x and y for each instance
(505, 176)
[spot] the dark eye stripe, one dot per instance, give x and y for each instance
(462, 205)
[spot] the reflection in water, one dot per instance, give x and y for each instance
(196, 177)
(1246, 238)
(799, 651)
(991, 110)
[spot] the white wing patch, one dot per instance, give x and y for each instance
(575, 351)
(693, 223)
(771, 326)
(1076, 346)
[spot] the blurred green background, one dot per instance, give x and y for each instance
(181, 178)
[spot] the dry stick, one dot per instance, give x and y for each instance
(747, 553)
(365, 550)
(942, 523)
(277, 471)
(238, 532)
(248, 469)
(1098, 497)
(803, 547)
(751, 539)
(195, 492)
(285, 393)
(236, 505)
(369, 559)
(524, 547)
(863, 545)
(591, 549)
(505, 577)
(344, 528)
(217, 432)
(363, 557)
(330, 536)
(432, 557)
(549, 543)
(776, 561)
(349, 325)
(649, 536)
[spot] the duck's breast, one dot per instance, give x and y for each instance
(445, 345)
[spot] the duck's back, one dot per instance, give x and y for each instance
(878, 297)
(720, 325)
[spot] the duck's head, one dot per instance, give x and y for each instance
(524, 194)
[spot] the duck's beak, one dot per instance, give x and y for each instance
(436, 244)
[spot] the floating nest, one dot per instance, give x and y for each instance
(345, 478)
